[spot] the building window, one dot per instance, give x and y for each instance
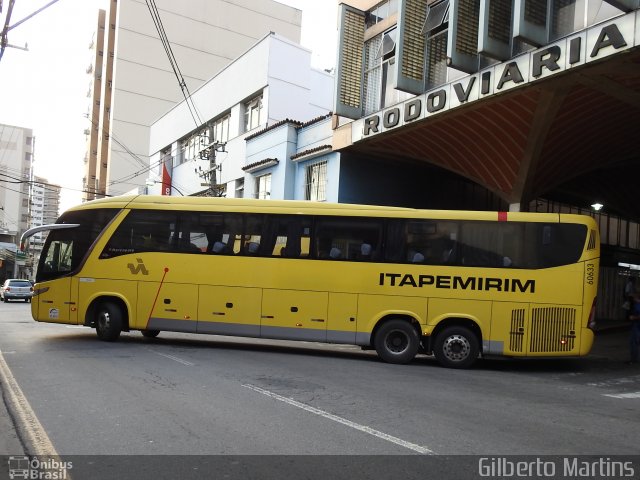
(221, 129)
(190, 147)
(387, 54)
(381, 12)
(316, 182)
(239, 188)
(435, 29)
(379, 76)
(253, 113)
(29, 140)
(372, 75)
(263, 190)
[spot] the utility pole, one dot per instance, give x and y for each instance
(210, 175)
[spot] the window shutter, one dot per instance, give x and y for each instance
(349, 65)
(410, 47)
(530, 21)
(494, 36)
(437, 60)
(563, 17)
(462, 49)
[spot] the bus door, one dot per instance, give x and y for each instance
(294, 315)
(54, 298)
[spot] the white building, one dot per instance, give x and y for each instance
(16, 159)
(133, 83)
(271, 82)
(45, 209)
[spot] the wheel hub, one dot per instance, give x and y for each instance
(456, 348)
(397, 341)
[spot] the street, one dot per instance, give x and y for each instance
(183, 394)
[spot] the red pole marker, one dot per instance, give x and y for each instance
(166, 269)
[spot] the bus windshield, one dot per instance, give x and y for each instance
(64, 250)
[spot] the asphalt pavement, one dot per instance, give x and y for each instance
(610, 350)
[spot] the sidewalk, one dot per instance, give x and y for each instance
(9, 442)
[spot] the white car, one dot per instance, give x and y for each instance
(16, 289)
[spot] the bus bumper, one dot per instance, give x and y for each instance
(586, 341)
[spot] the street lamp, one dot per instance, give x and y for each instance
(597, 206)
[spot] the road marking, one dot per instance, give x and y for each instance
(176, 359)
(19, 406)
(343, 421)
(616, 381)
(623, 395)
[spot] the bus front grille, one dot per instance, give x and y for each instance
(552, 329)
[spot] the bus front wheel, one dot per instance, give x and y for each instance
(108, 322)
(456, 347)
(397, 342)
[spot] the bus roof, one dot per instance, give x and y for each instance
(319, 208)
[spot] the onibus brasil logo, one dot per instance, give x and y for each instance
(22, 466)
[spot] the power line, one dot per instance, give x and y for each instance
(44, 184)
(115, 139)
(157, 21)
(146, 168)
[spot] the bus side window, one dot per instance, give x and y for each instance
(231, 234)
(253, 235)
(189, 236)
(354, 239)
(292, 236)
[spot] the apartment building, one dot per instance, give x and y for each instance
(132, 81)
(209, 156)
(45, 209)
(17, 145)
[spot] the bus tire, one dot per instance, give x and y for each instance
(397, 341)
(456, 347)
(109, 321)
(150, 333)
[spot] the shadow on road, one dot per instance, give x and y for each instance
(608, 354)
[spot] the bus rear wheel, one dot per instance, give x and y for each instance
(397, 342)
(108, 322)
(456, 347)
(150, 333)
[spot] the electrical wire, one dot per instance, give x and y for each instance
(157, 21)
(54, 188)
(115, 139)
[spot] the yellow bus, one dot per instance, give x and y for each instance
(456, 284)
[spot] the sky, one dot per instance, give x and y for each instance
(45, 88)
